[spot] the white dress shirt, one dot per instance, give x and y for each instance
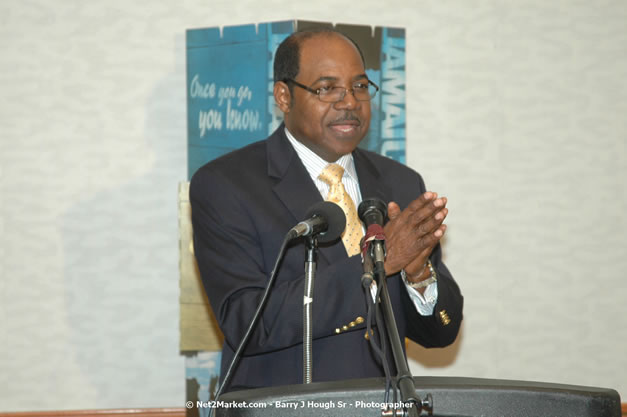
(314, 165)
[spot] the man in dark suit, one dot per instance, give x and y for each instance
(245, 202)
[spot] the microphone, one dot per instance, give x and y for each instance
(368, 275)
(371, 212)
(325, 219)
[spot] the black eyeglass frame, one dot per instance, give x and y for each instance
(317, 91)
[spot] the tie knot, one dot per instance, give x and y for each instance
(332, 174)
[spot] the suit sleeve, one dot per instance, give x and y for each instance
(441, 328)
(235, 257)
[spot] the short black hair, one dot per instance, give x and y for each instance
(287, 56)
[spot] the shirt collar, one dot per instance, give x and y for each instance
(315, 164)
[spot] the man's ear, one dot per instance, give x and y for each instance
(282, 96)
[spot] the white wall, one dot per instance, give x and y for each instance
(516, 111)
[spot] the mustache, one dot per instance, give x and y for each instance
(347, 116)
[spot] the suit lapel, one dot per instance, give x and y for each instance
(294, 187)
(370, 183)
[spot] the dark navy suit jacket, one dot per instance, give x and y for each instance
(242, 206)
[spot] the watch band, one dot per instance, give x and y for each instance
(424, 283)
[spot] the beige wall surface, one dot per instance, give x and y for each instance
(516, 112)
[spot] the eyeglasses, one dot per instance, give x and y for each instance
(331, 94)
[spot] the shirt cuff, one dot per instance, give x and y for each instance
(424, 303)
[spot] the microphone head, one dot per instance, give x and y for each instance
(372, 210)
(334, 216)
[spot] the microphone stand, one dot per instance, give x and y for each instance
(404, 378)
(311, 257)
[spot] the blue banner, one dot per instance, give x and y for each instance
(230, 82)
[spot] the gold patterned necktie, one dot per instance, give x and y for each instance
(332, 175)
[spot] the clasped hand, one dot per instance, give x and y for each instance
(412, 234)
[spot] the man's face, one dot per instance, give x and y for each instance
(329, 129)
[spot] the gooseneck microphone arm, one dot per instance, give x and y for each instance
(327, 222)
(372, 212)
(311, 259)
